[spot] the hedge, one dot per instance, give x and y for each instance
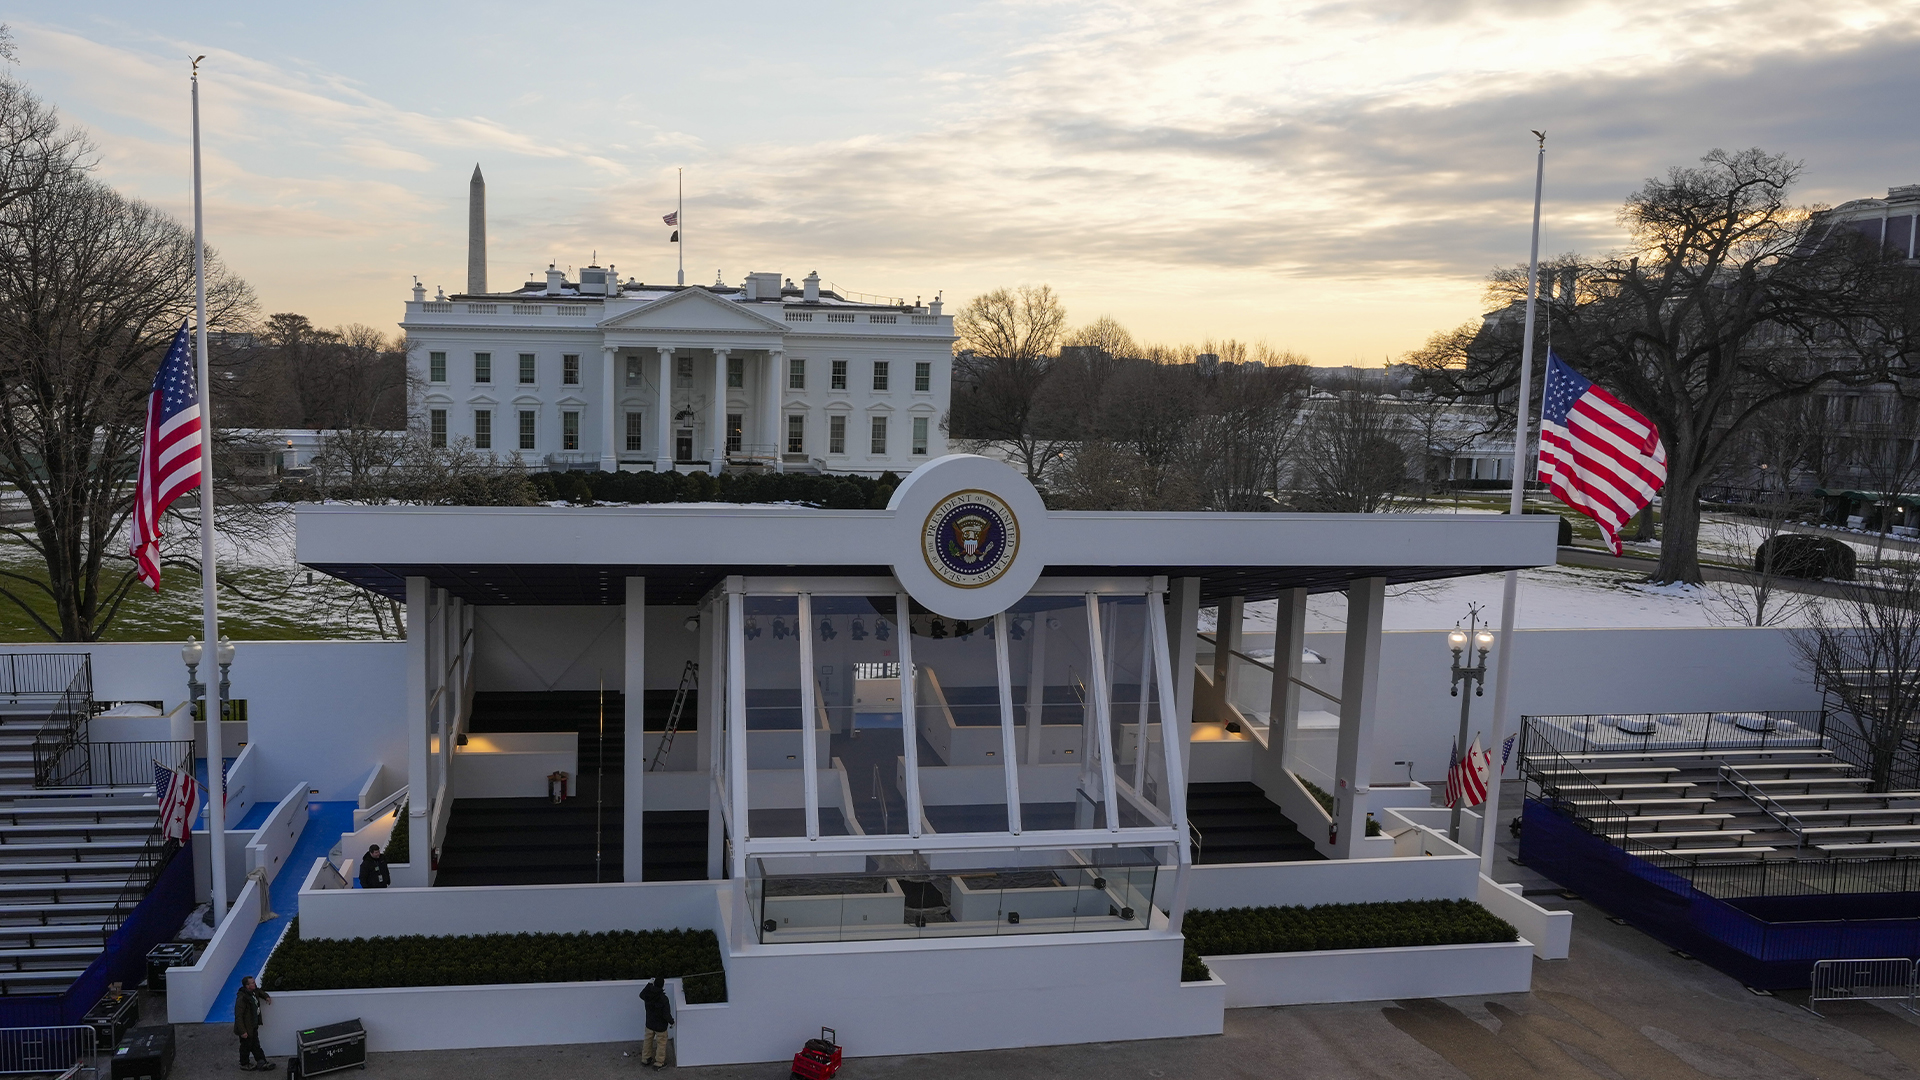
(1802, 556)
(827, 492)
(478, 960)
(1388, 925)
(399, 847)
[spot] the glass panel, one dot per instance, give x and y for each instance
(1139, 780)
(963, 779)
(776, 791)
(857, 670)
(1060, 786)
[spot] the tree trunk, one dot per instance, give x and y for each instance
(1643, 529)
(1680, 530)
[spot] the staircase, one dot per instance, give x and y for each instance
(1238, 824)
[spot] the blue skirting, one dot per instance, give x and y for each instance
(1769, 943)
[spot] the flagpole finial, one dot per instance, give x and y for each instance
(196, 64)
(1542, 136)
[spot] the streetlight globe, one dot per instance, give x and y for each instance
(224, 652)
(1457, 639)
(1484, 639)
(190, 653)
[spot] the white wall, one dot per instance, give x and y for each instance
(514, 765)
(533, 649)
(1425, 971)
(191, 990)
(1333, 881)
(510, 909)
(322, 710)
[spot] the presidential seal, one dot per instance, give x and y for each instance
(970, 539)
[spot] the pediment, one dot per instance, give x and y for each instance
(695, 309)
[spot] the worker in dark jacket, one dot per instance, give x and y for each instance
(373, 869)
(659, 1017)
(246, 1024)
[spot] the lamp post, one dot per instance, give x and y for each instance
(192, 654)
(1482, 640)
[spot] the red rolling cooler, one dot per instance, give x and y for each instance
(819, 1059)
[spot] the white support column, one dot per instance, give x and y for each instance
(1176, 772)
(717, 414)
(712, 707)
(1359, 685)
(1036, 685)
(1226, 641)
(1283, 708)
(609, 411)
(419, 797)
(1009, 752)
(809, 736)
(776, 392)
(634, 686)
(1102, 711)
(909, 722)
(1183, 619)
(663, 415)
(738, 782)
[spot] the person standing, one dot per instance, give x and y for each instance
(246, 1024)
(653, 1052)
(373, 869)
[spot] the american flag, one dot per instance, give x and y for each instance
(169, 453)
(1467, 777)
(1599, 456)
(673, 218)
(179, 796)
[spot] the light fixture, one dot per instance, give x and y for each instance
(827, 632)
(882, 630)
(693, 622)
(190, 653)
(859, 629)
(224, 651)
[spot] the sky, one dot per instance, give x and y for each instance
(1332, 178)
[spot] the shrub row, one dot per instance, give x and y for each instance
(1386, 925)
(830, 492)
(399, 847)
(1802, 556)
(419, 960)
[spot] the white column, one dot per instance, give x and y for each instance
(909, 722)
(635, 687)
(1009, 752)
(609, 411)
(419, 799)
(712, 704)
(717, 414)
(809, 717)
(738, 786)
(776, 392)
(1183, 623)
(1036, 685)
(1283, 707)
(1226, 640)
(1359, 685)
(663, 416)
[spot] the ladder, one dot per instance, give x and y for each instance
(689, 681)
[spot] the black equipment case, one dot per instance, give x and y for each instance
(145, 1054)
(111, 1016)
(331, 1048)
(168, 954)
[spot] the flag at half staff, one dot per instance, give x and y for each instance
(169, 453)
(179, 797)
(1599, 456)
(1467, 777)
(672, 219)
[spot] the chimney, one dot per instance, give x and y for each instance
(555, 279)
(477, 233)
(934, 308)
(812, 286)
(419, 290)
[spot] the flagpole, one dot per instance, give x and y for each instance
(209, 591)
(680, 219)
(1509, 596)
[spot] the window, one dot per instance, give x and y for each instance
(526, 429)
(796, 374)
(836, 434)
(527, 367)
(920, 436)
(483, 367)
(570, 370)
(839, 375)
(796, 434)
(683, 366)
(483, 429)
(922, 376)
(736, 372)
(879, 446)
(634, 432)
(880, 369)
(437, 427)
(733, 433)
(436, 367)
(569, 431)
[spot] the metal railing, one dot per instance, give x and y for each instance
(108, 764)
(1766, 803)
(61, 748)
(27, 675)
(1900, 763)
(1892, 979)
(1702, 731)
(46, 1050)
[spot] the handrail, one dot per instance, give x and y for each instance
(1270, 666)
(380, 807)
(1766, 803)
(52, 748)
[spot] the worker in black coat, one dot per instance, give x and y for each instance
(373, 869)
(659, 1017)
(246, 1024)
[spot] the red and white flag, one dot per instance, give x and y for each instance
(1467, 777)
(179, 800)
(169, 453)
(672, 219)
(1599, 456)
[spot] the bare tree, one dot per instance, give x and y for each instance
(1866, 655)
(1105, 334)
(1007, 341)
(93, 287)
(1353, 457)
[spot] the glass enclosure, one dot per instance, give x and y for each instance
(856, 661)
(958, 721)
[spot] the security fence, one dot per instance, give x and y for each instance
(45, 1050)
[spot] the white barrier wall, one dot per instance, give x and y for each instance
(1333, 881)
(514, 765)
(274, 840)
(1550, 931)
(1425, 971)
(323, 710)
(511, 909)
(191, 990)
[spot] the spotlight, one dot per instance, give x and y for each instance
(693, 622)
(859, 629)
(827, 632)
(882, 630)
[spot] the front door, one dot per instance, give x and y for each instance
(683, 445)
